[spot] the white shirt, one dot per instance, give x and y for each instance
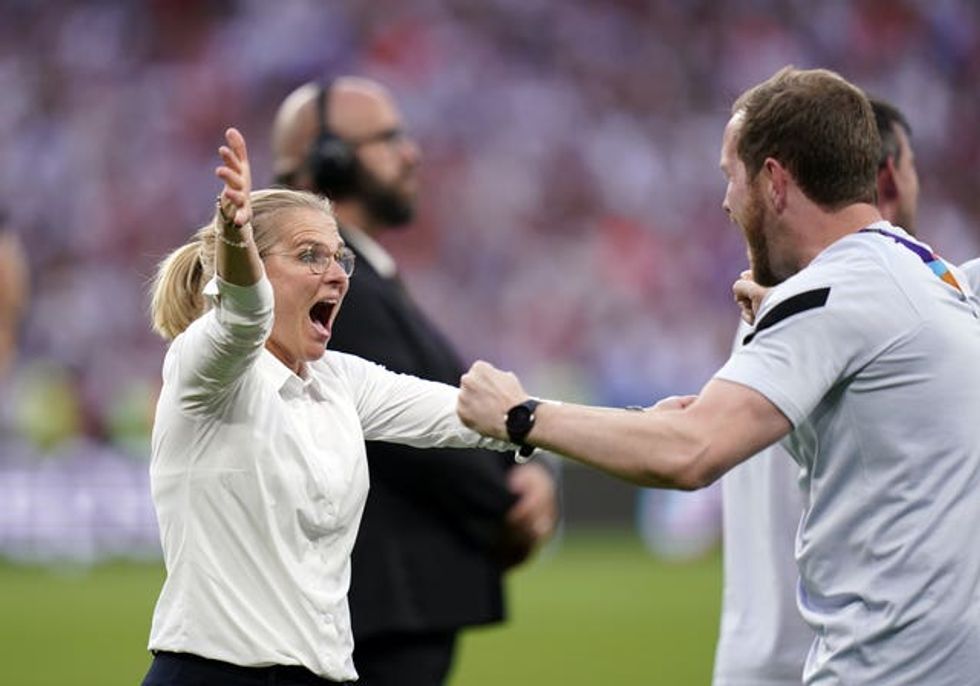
(882, 386)
(259, 479)
(972, 271)
(763, 640)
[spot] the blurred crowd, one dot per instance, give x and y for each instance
(570, 224)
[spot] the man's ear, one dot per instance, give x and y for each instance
(778, 179)
(887, 188)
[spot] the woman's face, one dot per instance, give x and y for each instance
(306, 304)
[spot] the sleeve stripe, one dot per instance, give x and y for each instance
(801, 302)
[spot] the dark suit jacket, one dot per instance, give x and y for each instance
(428, 554)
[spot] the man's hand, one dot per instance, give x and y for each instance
(535, 514)
(485, 396)
(533, 517)
(748, 295)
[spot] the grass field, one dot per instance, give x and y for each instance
(597, 611)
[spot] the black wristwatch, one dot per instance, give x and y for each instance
(520, 421)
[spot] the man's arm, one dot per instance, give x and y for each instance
(675, 445)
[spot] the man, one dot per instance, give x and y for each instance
(898, 180)
(972, 271)
(863, 356)
(763, 640)
(440, 526)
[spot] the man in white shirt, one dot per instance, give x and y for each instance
(763, 640)
(972, 271)
(863, 357)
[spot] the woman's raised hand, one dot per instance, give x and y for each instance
(234, 202)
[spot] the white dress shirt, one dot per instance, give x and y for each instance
(259, 479)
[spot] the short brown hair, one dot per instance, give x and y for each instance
(887, 117)
(817, 125)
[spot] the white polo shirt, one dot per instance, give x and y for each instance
(763, 640)
(874, 360)
(259, 479)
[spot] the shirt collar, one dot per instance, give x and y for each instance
(372, 251)
(282, 378)
(886, 225)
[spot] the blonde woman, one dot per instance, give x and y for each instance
(258, 468)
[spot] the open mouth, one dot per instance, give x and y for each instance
(321, 313)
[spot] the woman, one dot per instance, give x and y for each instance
(258, 468)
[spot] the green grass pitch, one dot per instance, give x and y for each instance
(595, 611)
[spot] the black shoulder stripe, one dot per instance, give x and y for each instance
(801, 302)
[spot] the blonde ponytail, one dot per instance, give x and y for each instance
(177, 287)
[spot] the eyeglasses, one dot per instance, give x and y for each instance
(318, 260)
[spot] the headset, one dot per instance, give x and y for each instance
(331, 161)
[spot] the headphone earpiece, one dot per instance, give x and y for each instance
(332, 162)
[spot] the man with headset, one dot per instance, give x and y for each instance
(440, 527)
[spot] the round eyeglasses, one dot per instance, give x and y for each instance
(318, 259)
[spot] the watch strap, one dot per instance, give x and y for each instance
(524, 451)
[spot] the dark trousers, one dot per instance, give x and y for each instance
(185, 669)
(405, 659)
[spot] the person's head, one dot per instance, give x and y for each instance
(802, 136)
(898, 182)
(346, 140)
(296, 236)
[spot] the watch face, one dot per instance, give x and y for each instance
(519, 421)
(518, 418)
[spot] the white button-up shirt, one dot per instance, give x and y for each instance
(259, 479)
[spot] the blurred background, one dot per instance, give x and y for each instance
(570, 230)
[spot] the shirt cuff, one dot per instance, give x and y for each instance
(240, 300)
